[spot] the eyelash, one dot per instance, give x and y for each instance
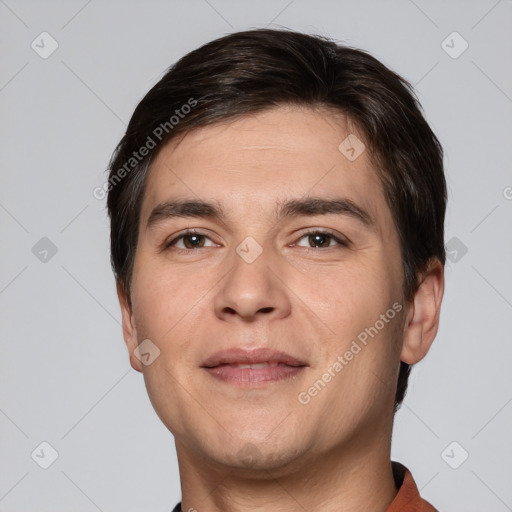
(342, 243)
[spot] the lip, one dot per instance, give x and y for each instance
(225, 366)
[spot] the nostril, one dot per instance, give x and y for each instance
(233, 311)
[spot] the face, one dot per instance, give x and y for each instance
(275, 300)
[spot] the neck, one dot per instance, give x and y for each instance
(346, 479)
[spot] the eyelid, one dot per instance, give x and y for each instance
(340, 239)
(190, 231)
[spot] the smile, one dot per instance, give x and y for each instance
(252, 368)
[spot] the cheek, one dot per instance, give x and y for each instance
(361, 304)
(356, 382)
(167, 310)
(162, 297)
(350, 296)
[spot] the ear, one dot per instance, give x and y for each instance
(422, 319)
(129, 329)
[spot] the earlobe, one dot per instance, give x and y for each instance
(423, 315)
(129, 329)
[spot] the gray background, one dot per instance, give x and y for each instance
(64, 371)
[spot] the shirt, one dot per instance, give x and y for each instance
(408, 498)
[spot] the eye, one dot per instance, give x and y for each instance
(189, 240)
(321, 239)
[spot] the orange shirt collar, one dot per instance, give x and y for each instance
(408, 498)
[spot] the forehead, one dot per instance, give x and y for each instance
(261, 159)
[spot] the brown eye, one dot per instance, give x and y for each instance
(193, 241)
(319, 239)
(190, 241)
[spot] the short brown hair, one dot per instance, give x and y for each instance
(250, 71)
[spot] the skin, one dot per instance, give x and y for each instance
(243, 449)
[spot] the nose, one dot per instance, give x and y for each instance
(253, 290)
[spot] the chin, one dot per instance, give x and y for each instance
(256, 456)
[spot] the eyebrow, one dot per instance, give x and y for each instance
(185, 208)
(311, 206)
(306, 207)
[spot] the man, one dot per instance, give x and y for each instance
(277, 207)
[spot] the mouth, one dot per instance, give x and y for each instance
(252, 368)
